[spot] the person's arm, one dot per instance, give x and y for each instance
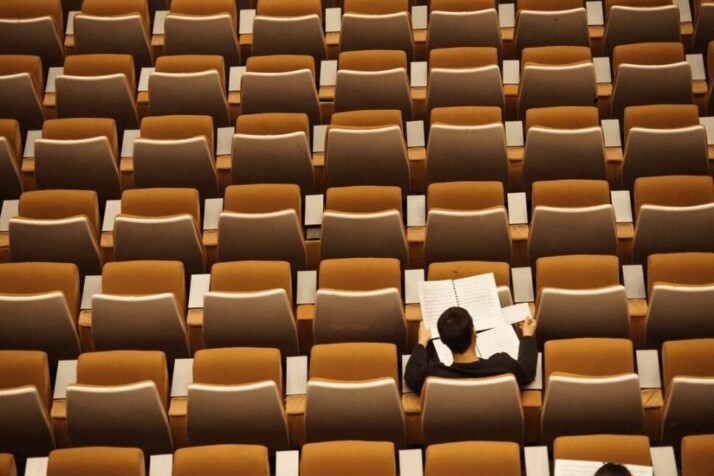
(418, 366)
(527, 353)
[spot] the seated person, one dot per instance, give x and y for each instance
(457, 332)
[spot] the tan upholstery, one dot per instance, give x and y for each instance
(19, 9)
(192, 64)
(680, 268)
(549, 5)
(19, 368)
(466, 115)
(465, 195)
(555, 27)
(593, 357)
(648, 53)
(367, 84)
(283, 8)
(222, 460)
(118, 7)
(474, 457)
(556, 85)
(238, 365)
(101, 65)
(262, 198)
(577, 272)
(372, 60)
(636, 23)
(367, 118)
(364, 199)
(696, 455)
(211, 7)
(459, 23)
(463, 57)
(57, 204)
(15, 64)
(350, 361)
(464, 87)
(31, 278)
(98, 460)
(690, 358)
(73, 129)
(660, 116)
(624, 449)
(562, 117)
(247, 276)
(272, 123)
(464, 269)
(137, 278)
(280, 63)
(360, 274)
(570, 193)
(39, 31)
(354, 458)
(673, 191)
(374, 7)
(7, 465)
(161, 203)
(555, 55)
(173, 127)
(462, 5)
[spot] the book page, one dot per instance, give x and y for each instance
(444, 353)
(498, 339)
(516, 313)
(435, 297)
(568, 467)
(479, 296)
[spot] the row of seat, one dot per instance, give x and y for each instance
(237, 395)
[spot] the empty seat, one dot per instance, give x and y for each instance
(39, 306)
(628, 22)
(623, 449)
(142, 306)
(463, 23)
(696, 455)
(466, 221)
(273, 148)
(689, 389)
(236, 397)
(571, 217)
(280, 83)
(115, 26)
(476, 457)
(10, 159)
(354, 458)
(363, 221)
(190, 84)
(7, 465)
(176, 151)
(550, 28)
(22, 88)
(250, 304)
(69, 219)
(25, 427)
(372, 25)
(448, 416)
(262, 222)
(202, 28)
(222, 460)
(112, 461)
(160, 224)
(373, 79)
(33, 28)
(351, 134)
(120, 399)
(101, 85)
(81, 154)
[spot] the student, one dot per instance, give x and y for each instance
(612, 469)
(457, 332)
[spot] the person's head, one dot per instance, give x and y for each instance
(612, 469)
(456, 329)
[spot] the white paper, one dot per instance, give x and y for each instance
(685, 12)
(224, 140)
(511, 71)
(567, 467)
(479, 296)
(333, 20)
(328, 72)
(419, 17)
(416, 210)
(410, 463)
(696, 62)
(415, 134)
(507, 15)
(516, 313)
(443, 352)
(514, 134)
(498, 339)
(418, 74)
(435, 297)
(235, 77)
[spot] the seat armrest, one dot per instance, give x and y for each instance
(648, 368)
(621, 205)
(69, 29)
(287, 463)
(66, 375)
(245, 24)
(333, 20)
(161, 465)
(314, 206)
(517, 209)
(30, 140)
(415, 134)
(111, 210)
(182, 377)
(511, 71)
(611, 131)
(418, 74)
(537, 383)
(36, 466)
(411, 278)
(634, 280)
(234, 78)
(522, 279)
(200, 285)
(420, 17)
(306, 287)
(328, 73)
(416, 210)
(410, 463)
(595, 16)
(318, 138)
(159, 21)
(92, 286)
(9, 210)
(537, 463)
(52, 74)
(211, 213)
(296, 375)
(685, 11)
(514, 134)
(507, 15)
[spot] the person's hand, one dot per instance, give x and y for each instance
(528, 327)
(424, 335)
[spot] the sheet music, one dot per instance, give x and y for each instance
(444, 353)
(516, 313)
(567, 467)
(498, 339)
(435, 297)
(479, 296)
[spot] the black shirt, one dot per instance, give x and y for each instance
(420, 367)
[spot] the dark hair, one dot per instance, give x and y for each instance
(455, 329)
(612, 469)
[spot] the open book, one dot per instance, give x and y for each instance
(477, 294)
(498, 339)
(567, 467)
